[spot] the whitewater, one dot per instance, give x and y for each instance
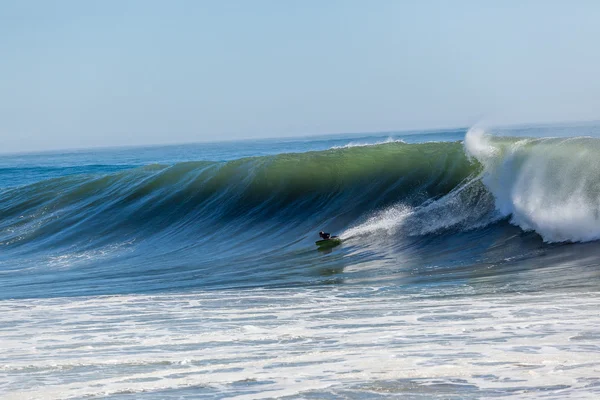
(469, 268)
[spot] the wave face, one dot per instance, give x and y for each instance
(419, 213)
(207, 196)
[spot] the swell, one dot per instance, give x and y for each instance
(204, 197)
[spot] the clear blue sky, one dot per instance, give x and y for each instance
(101, 73)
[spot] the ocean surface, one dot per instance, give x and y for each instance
(469, 268)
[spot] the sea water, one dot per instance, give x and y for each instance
(469, 268)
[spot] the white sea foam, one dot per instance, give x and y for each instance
(273, 343)
(75, 258)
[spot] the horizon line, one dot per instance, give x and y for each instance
(300, 136)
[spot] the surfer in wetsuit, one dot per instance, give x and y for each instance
(325, 236)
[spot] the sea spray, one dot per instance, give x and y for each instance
(469, 206)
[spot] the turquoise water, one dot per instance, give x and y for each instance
(469, 267)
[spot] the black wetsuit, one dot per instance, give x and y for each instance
(325, 236)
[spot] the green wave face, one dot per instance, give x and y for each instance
(434, 167)
(155, 198)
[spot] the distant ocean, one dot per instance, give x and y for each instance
(469, 268)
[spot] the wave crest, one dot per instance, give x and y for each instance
(548, 185)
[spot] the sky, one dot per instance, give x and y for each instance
(79, 74)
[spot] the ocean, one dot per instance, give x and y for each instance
(469, 268)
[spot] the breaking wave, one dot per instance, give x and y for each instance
(252, 221)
